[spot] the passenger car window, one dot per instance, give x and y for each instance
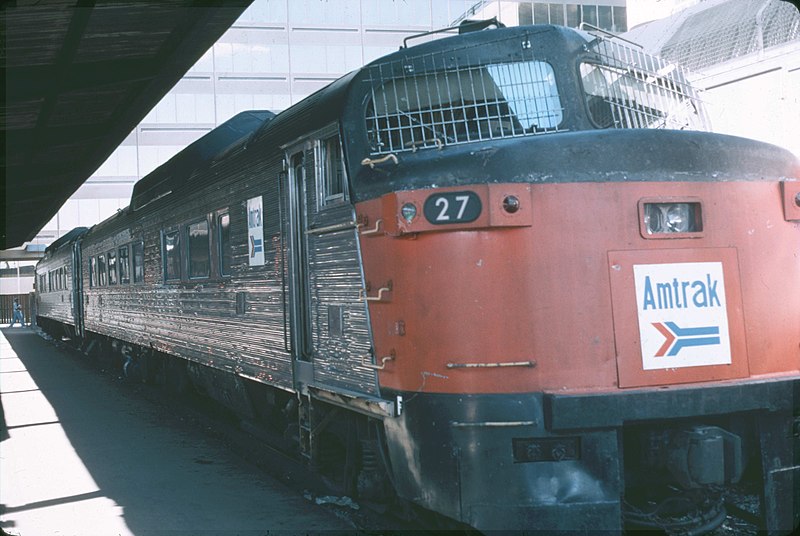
(101, 270)
(225, 253)
(171, 249)
(138, 262)
(92, 272)
(124, 266)
(112, 268)
(199, 250)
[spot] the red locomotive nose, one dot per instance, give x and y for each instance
(571, 291)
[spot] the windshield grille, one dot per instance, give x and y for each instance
(627, 88)
(430, 102)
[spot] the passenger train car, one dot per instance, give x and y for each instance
(507, 276)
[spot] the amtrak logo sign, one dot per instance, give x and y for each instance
(255, 231)
(683, 318)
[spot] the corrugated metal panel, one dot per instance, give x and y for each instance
(57, 304)
(335, 281)
(197, 320)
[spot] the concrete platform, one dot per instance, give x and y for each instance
(81, 457)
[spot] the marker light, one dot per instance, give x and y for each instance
(511, 204)
(409, 212)
(662, 218)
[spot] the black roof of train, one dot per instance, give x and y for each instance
(200, 154)
(71, 236)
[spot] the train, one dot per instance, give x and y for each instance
(507, 275)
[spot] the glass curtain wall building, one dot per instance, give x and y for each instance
(277, 53)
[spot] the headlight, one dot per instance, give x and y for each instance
(678, 219)
(660, 218)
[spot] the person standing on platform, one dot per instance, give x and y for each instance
(17, 314)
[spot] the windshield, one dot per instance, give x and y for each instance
(626, 88)
(461, 105)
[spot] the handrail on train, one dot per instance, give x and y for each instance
(464, 27)
(612, 35)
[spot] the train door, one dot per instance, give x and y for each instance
(77, 288)
(330, 336)
(300, 307)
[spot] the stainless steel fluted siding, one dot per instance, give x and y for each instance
(198, 321)
(56, 305)
(335, 279)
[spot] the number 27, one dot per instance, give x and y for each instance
(444, 204)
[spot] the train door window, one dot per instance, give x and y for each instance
(224, 241)
(138, 262)
(92, 272)
(331, 170)
(101, 270)
(112, 268)
(299, 266)
(124, 266)
(199, 250)
(171, 248)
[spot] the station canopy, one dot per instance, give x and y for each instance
(79, 76)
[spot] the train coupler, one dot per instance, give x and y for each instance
(705, 455)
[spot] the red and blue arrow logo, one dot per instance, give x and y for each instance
(677, 338)
(255, 246)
